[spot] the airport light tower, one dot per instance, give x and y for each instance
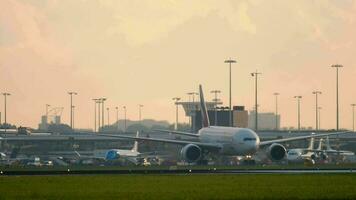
(176, 99)
(319, 111)
(353, 117)
(5, 106)
(316, 109)
(216, 100)
(124, 118)
(298, 100)
(108, 110)
(95, 102)
(276, 94)
(230, 61)
(117, 117)
(71, 107)
(140, 106)
(255, 74)
(194, 108)
(103, 111)
(99, 113)
(337, 94)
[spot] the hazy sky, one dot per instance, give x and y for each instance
(146, 52)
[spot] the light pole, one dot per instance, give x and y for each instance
(5, 121)
(71, 107)
(108, 110)
(276, 119)
(337, 94)
(73, 117)
(176, 99)
(124, 118)
(319, 110)
(103, 111)
(117, 117)
(316, 109)
(99, 115)
(95, 102)
(230, 61)
(353, 117)
(216, 100)
(194, 108)
(298, 98)
(189, 99)
(255, 74)
(139, 112)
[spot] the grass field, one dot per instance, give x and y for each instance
(189, 186)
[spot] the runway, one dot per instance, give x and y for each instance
(181, 171)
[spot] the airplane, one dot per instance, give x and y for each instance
(132, 155)
(305, 154)
(223, 140)
(329, 150)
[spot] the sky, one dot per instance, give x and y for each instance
(149, 51)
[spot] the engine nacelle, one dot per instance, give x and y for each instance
(276, 152)
(323, 156)
(112, 155)
(191, 153)
(314, 156)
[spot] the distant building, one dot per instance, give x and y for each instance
(239, 117)
(44, 122)
(266, 121)
(192, 110)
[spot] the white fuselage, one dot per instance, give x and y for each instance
(234, 141)
(295, 155)
(299, 155)
(126, 153)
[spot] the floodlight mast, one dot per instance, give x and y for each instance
(230, 61)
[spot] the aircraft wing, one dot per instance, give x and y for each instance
(180, 142)
(300, 138)
(178, 132)
(335, 151)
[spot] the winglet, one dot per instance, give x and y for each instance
(311, 144)
(204, 111)
(320, 144)
(135, 146)
(328, 147)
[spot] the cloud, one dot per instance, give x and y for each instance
(151, 20)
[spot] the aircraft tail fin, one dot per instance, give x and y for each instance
(204, 111)
(328, 147)
(320, 144)
(135, 146)
(311, 144)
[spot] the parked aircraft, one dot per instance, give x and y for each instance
(132, 155)
(224, 140)
(305, 154)
(329, 150)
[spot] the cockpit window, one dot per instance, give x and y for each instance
(249, 139)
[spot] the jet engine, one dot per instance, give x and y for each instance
(112, 155)
(323, 156)
(276, 152)
(314, 156)
(191, 153)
